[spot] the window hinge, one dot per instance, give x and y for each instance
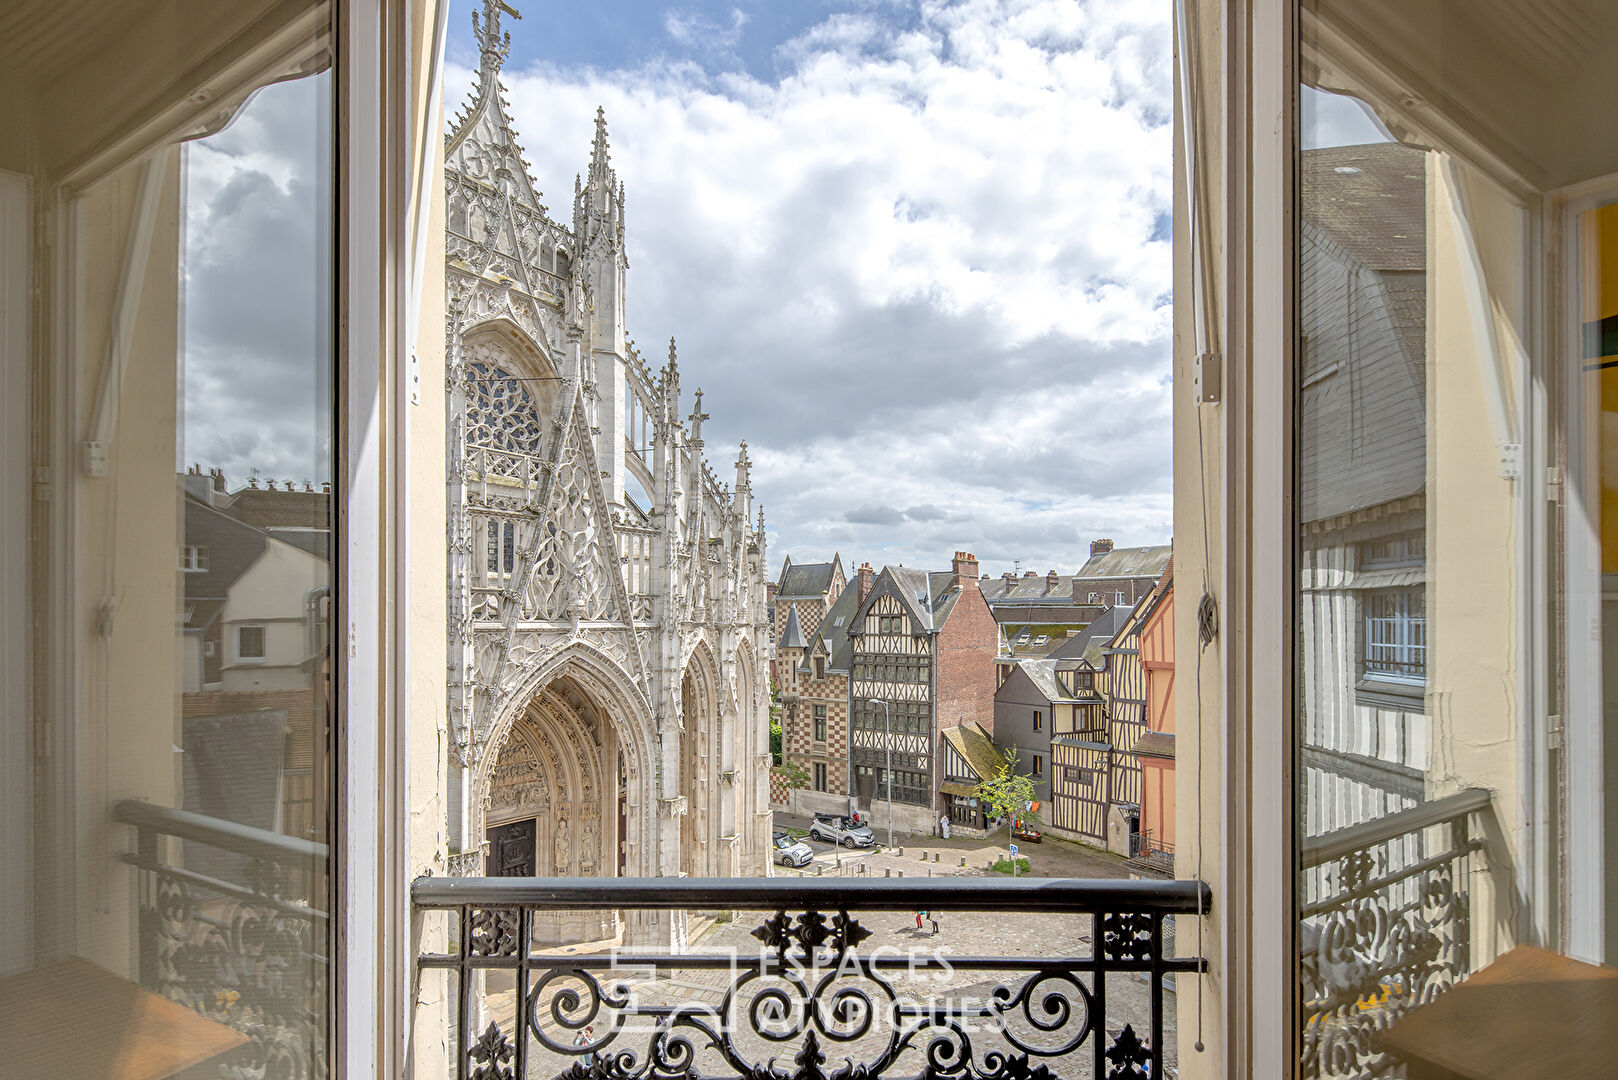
(415, 378)
(95, 458)
(1205, 378)
(1553, 731)
(1510, 461)
(1553, 483)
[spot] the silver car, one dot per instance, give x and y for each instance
(834, 829)
(790, 851)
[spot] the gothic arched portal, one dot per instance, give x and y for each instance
(552, 799)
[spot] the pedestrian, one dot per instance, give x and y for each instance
(920, 915)
(943, 826)
(585, 1037)
(935, 925)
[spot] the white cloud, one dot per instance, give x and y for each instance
(926, 268)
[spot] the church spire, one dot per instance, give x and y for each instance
(600, 160)
(598, 203)
(493, 44)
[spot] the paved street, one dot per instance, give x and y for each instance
(1050, 858)
(921, 972)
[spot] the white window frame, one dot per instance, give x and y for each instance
(194, 558)
(264, 641)
(1254, 566)
(1397, 637)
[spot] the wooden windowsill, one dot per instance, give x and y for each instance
(1530, 1015)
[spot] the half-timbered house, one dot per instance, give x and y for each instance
(967, 756)
(1037, 700)
(1155, 749)
(1096, 778)
(923, 645)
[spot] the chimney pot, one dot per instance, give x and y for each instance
(1100, 547)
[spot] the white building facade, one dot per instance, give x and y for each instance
(608, 687)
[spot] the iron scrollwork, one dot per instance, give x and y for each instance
(809, 987)
(1390, 929)
(242, 947)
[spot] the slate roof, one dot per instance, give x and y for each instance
(1046, 614)
(792, 633)
(1363, 267)
(1028, 589)
(232, 545)
(268, 508)
(973, 743)
(1371, 199)
(1130, 562)
(1042, 673)
(937, 586)
(316, 542)
(1088, 643)
(833, 631)
(1025, 641)
(807, 579)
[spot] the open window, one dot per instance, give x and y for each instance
(1455, 265)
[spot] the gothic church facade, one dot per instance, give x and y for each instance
(608, 638)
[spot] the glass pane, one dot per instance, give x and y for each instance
(1451, 724)
(168, 710)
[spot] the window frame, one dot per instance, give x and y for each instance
(260, 657)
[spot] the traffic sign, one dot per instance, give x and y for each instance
(1013, 851)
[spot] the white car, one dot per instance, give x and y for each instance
(790, 851)
(834, 829)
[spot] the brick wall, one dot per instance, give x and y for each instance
(967, 643)
(799, 696)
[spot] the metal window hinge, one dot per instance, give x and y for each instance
(414, 375)
(95, 458)
(1553, 484)
(1553, 731)
(1510, 461)
(1206, 369)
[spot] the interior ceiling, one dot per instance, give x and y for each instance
(1530, 82)
(41, 40)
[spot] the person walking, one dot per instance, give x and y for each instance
(943, 826)
(920, 915)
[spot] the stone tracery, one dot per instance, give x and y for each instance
(585, 627)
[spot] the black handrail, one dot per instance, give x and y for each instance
(1084, 895)
(1334, 845)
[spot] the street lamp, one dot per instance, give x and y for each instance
(887, 715)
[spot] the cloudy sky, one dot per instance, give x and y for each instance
(257, 319)
(916, 253)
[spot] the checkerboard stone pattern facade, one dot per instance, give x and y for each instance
(812, 685)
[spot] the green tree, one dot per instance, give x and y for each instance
(775, 726)
(1007, 794)
(795, 775)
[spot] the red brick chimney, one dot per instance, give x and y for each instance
(1099, 547)
(867, 576)
(965, 568)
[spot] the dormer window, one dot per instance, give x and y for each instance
(820, 667)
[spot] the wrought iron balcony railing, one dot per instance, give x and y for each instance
(1387, 925)
(808, 993)
(227, 929)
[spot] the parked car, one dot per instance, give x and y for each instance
(840, 830)
(790, 851)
